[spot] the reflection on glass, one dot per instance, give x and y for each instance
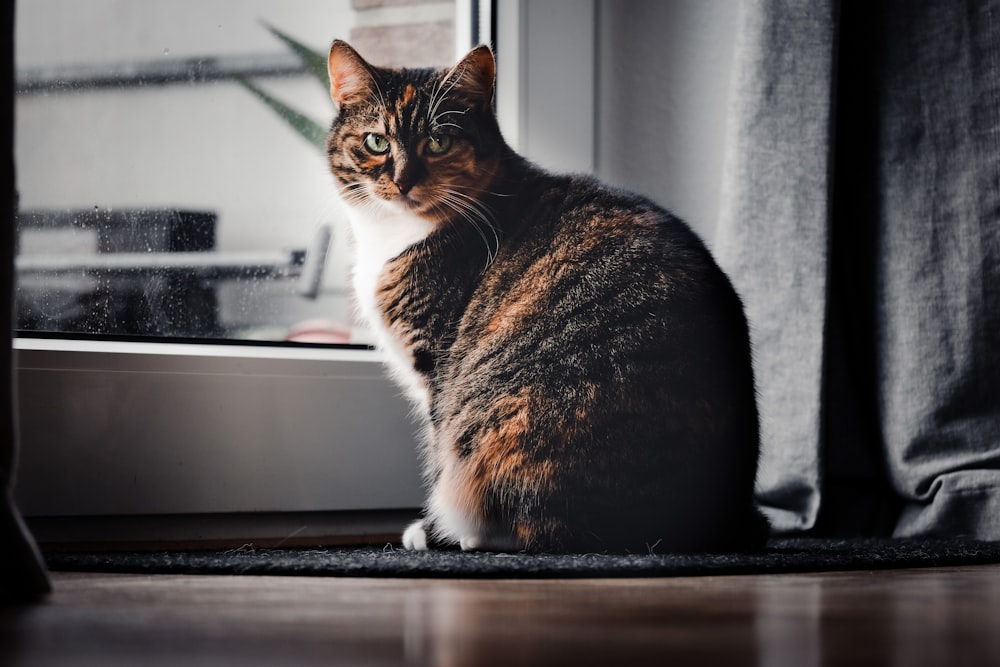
(167, 184)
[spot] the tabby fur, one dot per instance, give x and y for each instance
(579, 364)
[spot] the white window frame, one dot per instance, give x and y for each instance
(129, 441)
(547, 81)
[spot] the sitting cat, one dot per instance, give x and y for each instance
(580, 364)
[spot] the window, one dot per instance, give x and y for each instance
(128, 439)
(170, 163)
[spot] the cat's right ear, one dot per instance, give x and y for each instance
(351, 77)
(474, 76)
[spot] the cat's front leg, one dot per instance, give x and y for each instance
(415, 539)
(415, 536)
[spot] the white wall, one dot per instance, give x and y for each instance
(663, 74)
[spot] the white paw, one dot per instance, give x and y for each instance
(470, 543)
(415, 537)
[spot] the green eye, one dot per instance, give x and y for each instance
(438, 145)
(376, 143)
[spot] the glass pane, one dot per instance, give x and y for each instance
(168, 184)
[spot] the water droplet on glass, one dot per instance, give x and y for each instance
(166, 52)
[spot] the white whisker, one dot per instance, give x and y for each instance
(477, 214)
(438, 96)
(354, 192)
(474, 188)
(378, 90)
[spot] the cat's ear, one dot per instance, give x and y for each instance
(472, 79)
(351, 78)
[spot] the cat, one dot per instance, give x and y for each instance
(579, 364)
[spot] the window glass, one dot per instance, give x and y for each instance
(169, 174)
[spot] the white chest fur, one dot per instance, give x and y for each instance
(382, 233)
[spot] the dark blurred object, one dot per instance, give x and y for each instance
(23, 577)
(121, 297)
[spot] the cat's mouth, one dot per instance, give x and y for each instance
(405, 201)
(409, 203)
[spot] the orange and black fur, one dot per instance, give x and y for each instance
(580, 365)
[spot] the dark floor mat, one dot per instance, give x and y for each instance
(781, 555)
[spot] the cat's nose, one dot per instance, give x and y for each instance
(405, 175)
(404, 184)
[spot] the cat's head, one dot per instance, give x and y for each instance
(420, 140)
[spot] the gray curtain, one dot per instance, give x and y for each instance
(861, 224)
(22, 575)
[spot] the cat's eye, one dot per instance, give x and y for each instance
(438, 145)
(376, 143)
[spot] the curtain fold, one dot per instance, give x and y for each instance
(938, 286)
(773, 238)
(861, 224)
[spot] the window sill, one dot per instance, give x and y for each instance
(114, 428)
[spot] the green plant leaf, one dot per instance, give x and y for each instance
(314, 61)
(306, 127)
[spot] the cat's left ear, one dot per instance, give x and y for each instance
(351, 78)
(473, 77)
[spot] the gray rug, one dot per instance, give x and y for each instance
(781, 555)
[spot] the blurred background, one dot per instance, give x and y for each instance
(158, 195)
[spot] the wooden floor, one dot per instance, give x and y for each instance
(904, 617)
